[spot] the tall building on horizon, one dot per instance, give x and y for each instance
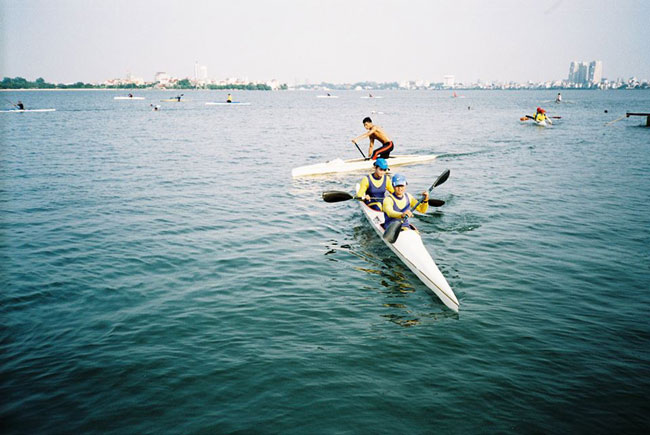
(583, 73)
(573, 69)
(595, 71)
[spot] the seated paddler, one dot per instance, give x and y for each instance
(540, 116)
(397, 205)
(373, 187)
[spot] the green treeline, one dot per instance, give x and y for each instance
(40, 83)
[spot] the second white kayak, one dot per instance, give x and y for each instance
(27, 110)
(360, 164)
(234, 103)
(410, 249)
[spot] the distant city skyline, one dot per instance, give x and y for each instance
(330, 41)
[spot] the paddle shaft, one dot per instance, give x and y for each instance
(356, 145)
(441, 179)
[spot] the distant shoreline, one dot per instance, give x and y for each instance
(131, 90)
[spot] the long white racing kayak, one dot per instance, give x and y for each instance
(128, 98)
(360, 164)
(327, 96)
(410, 249)
(234, 103)
(27, 110)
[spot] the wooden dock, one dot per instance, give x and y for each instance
(647, 122)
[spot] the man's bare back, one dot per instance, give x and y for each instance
(375, 132)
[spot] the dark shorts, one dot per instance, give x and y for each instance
(383, 151)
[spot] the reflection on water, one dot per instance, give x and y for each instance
(389, 278)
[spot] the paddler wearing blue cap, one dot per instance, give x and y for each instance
(397, 205)
(373, 187)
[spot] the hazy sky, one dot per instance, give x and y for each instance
(329, 40)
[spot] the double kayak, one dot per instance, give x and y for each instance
(27, 110)
(173, 100)
(409, 248)
(360, 164)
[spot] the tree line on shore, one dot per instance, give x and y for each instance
(40, 83)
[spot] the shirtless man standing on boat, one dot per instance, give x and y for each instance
(375, 132)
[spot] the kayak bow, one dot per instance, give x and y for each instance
(410, 249)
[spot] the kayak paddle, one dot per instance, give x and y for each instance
(338, 196)
(392, 232)
(527, 117)
(356, 145)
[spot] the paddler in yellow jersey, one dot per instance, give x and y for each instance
(540, 116)
(229, 99)
(397, 205)
(373, 187)
(376, 132)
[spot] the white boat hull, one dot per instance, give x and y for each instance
(410, 249)
(360, 164)
(327, 96)
(234, 103)
(128, 98)
(27, 110)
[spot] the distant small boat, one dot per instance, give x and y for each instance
(27, 110)
(326, 96)
(128, 98)
(174, 100)
(372, 96)
(234, 103)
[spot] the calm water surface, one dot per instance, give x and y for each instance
(161, 272)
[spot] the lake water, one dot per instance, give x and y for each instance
(161, 272)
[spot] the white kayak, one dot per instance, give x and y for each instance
(326, 96)
(234, 103)
(128, 98)
(542, 123)
(374, 96)
(27, 110)
(410, 249)
(360, 164)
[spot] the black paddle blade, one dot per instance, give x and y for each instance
(442, 178)
(436, 202)
(336, 196)
(392, 232)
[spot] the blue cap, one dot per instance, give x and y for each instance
(399, 180)
(381, 163)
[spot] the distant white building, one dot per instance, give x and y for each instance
(595, 71)
(273, 84)
(584, 74)
(449, 81)
(200, 73)
(162, 78)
